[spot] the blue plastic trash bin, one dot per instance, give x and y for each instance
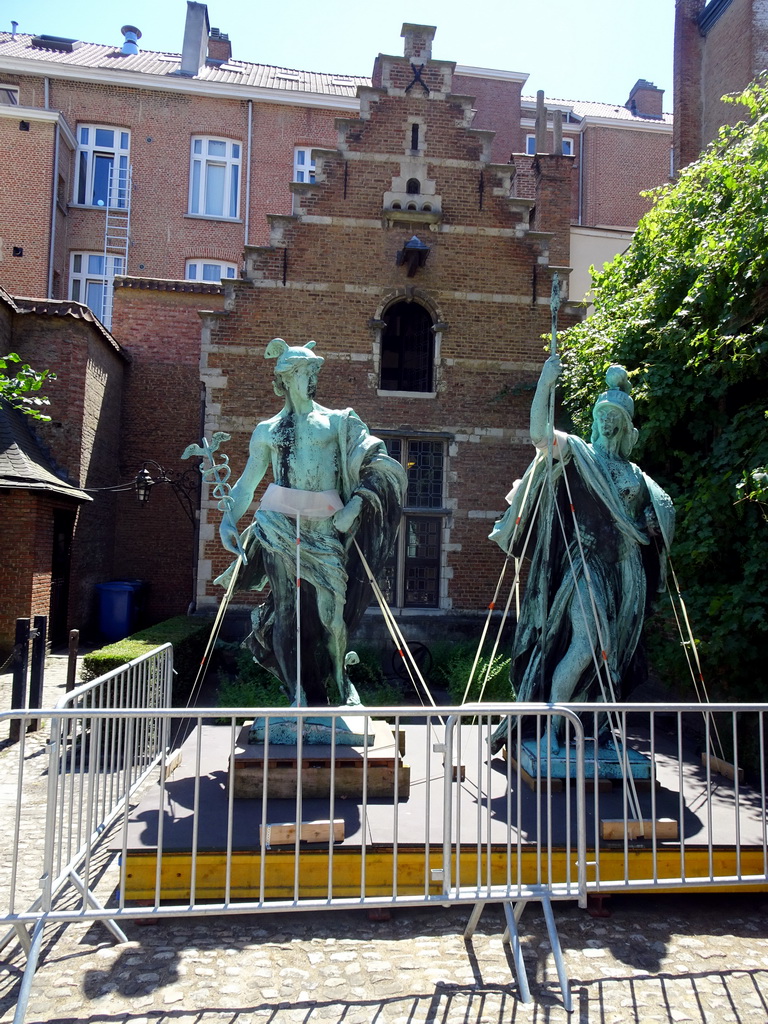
(139, 588)
(116, 610)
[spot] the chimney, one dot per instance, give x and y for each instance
(219, 47)
(131, 36)
(645, 100)
(418, 42)
(195, 44)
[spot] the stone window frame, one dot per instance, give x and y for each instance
(422, 508)
(378, 325)
(303, 164)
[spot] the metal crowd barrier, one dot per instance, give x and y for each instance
(63, 804)
(138, 826)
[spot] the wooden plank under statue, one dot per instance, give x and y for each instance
(377, 766)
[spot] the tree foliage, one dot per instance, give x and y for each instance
(685, 310)
(20, 385)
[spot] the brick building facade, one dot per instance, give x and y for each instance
(411, 168)
(720, 47)
(213, 159)
(50, 489)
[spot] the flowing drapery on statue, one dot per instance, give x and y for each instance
(338, 478)
(596, 529)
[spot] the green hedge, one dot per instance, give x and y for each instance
(188, 636)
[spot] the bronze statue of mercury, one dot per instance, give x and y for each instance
(596, 530)
(332, 474)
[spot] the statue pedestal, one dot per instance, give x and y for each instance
(380, 763)
(607, 767)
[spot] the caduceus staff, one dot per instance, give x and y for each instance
(218, 474)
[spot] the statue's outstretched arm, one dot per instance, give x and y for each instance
(550, 371)
(243, 491)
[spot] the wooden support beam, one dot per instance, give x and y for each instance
(721, 767)
(173, 762)
(618, 828)
(284, 834)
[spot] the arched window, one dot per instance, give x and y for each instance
(413, 186)
(407, 349)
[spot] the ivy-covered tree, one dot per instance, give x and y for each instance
(685, 309)
(20, 385)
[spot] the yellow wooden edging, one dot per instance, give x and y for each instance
(413, 873)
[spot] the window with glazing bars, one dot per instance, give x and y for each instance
(412, 576)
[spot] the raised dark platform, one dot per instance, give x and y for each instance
(396, 845)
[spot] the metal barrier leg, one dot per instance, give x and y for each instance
(518, 909)
(517, 953)
(88, 896)
(29, 972)
(22, 934)
(554, 941)
(474, 918)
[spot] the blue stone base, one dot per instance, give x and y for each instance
(610, 764)
(316, 731)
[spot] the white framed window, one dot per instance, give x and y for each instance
(9, 95)
(101, 172)
(209, 270)
(303, 164)
(214, 177)
(411, 578)
(530, 146)
(90, 281)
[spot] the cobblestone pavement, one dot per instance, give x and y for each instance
(700, 958)
(657, 958)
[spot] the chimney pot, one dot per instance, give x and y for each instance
(131, 36)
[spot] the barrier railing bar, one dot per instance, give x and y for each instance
(761, 744)
(195, 815)
(427, 799)
(231, 811)
(737, 816)
(395, 809)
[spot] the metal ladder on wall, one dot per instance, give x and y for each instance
(117, 233)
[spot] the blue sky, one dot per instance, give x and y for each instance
(573, 49)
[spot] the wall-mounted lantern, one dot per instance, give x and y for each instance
(413, 254)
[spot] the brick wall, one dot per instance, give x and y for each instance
(26, 159)
(26, 539)
(719, 49)
(727, 66)
(160, 328)
(618, 166)
(498, 109)
(83, 436)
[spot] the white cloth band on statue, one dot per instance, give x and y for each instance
(560, 444)
(308, 504)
